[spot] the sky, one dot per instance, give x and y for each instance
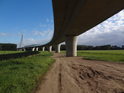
(34, 19)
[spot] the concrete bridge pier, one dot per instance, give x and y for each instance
(37, 49)
(24, 49)
(57, 48)
(50, 49)
(33, 49)
(43, 48)
(71, 46)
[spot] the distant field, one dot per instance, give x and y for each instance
(9, 52)
(21, 75)
(103, 55)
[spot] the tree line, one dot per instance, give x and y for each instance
(103, 47)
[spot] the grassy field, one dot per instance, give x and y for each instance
(9, 52)
(103, 55)
(21, 75)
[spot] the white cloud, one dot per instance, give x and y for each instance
(48, 24)
(42, 25)
(3, 34)
(110, 31)
(46, 33)
(40, 35)
(45, 37)
(31, 41)
(49, 20)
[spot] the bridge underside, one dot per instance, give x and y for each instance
(73, 17)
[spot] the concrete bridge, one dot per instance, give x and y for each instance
(74, 17)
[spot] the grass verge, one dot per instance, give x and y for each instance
(103, 55)
(21, 75)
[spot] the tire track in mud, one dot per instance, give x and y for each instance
(60, 78)
(90, 77)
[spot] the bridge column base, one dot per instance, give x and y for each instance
(57, 48)
(43, 48)
(33, 49)
(37, 49)
(71, 46)
(50, 49)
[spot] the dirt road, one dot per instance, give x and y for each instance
(75, 75)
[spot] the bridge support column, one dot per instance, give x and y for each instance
(50, 49)
(37, 49)
(71, 46)
(24, 49)
(43, 48)
(57, 48)
(33, 49)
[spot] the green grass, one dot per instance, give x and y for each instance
(21, 75)
(9, 52)
(103, 55)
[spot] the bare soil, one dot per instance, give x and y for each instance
(76, 75)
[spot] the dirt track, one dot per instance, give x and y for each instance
(75, 75)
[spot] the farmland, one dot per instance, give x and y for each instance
(103, 55)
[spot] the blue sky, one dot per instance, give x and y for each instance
(34, 19)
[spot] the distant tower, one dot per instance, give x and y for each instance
(21, 41)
